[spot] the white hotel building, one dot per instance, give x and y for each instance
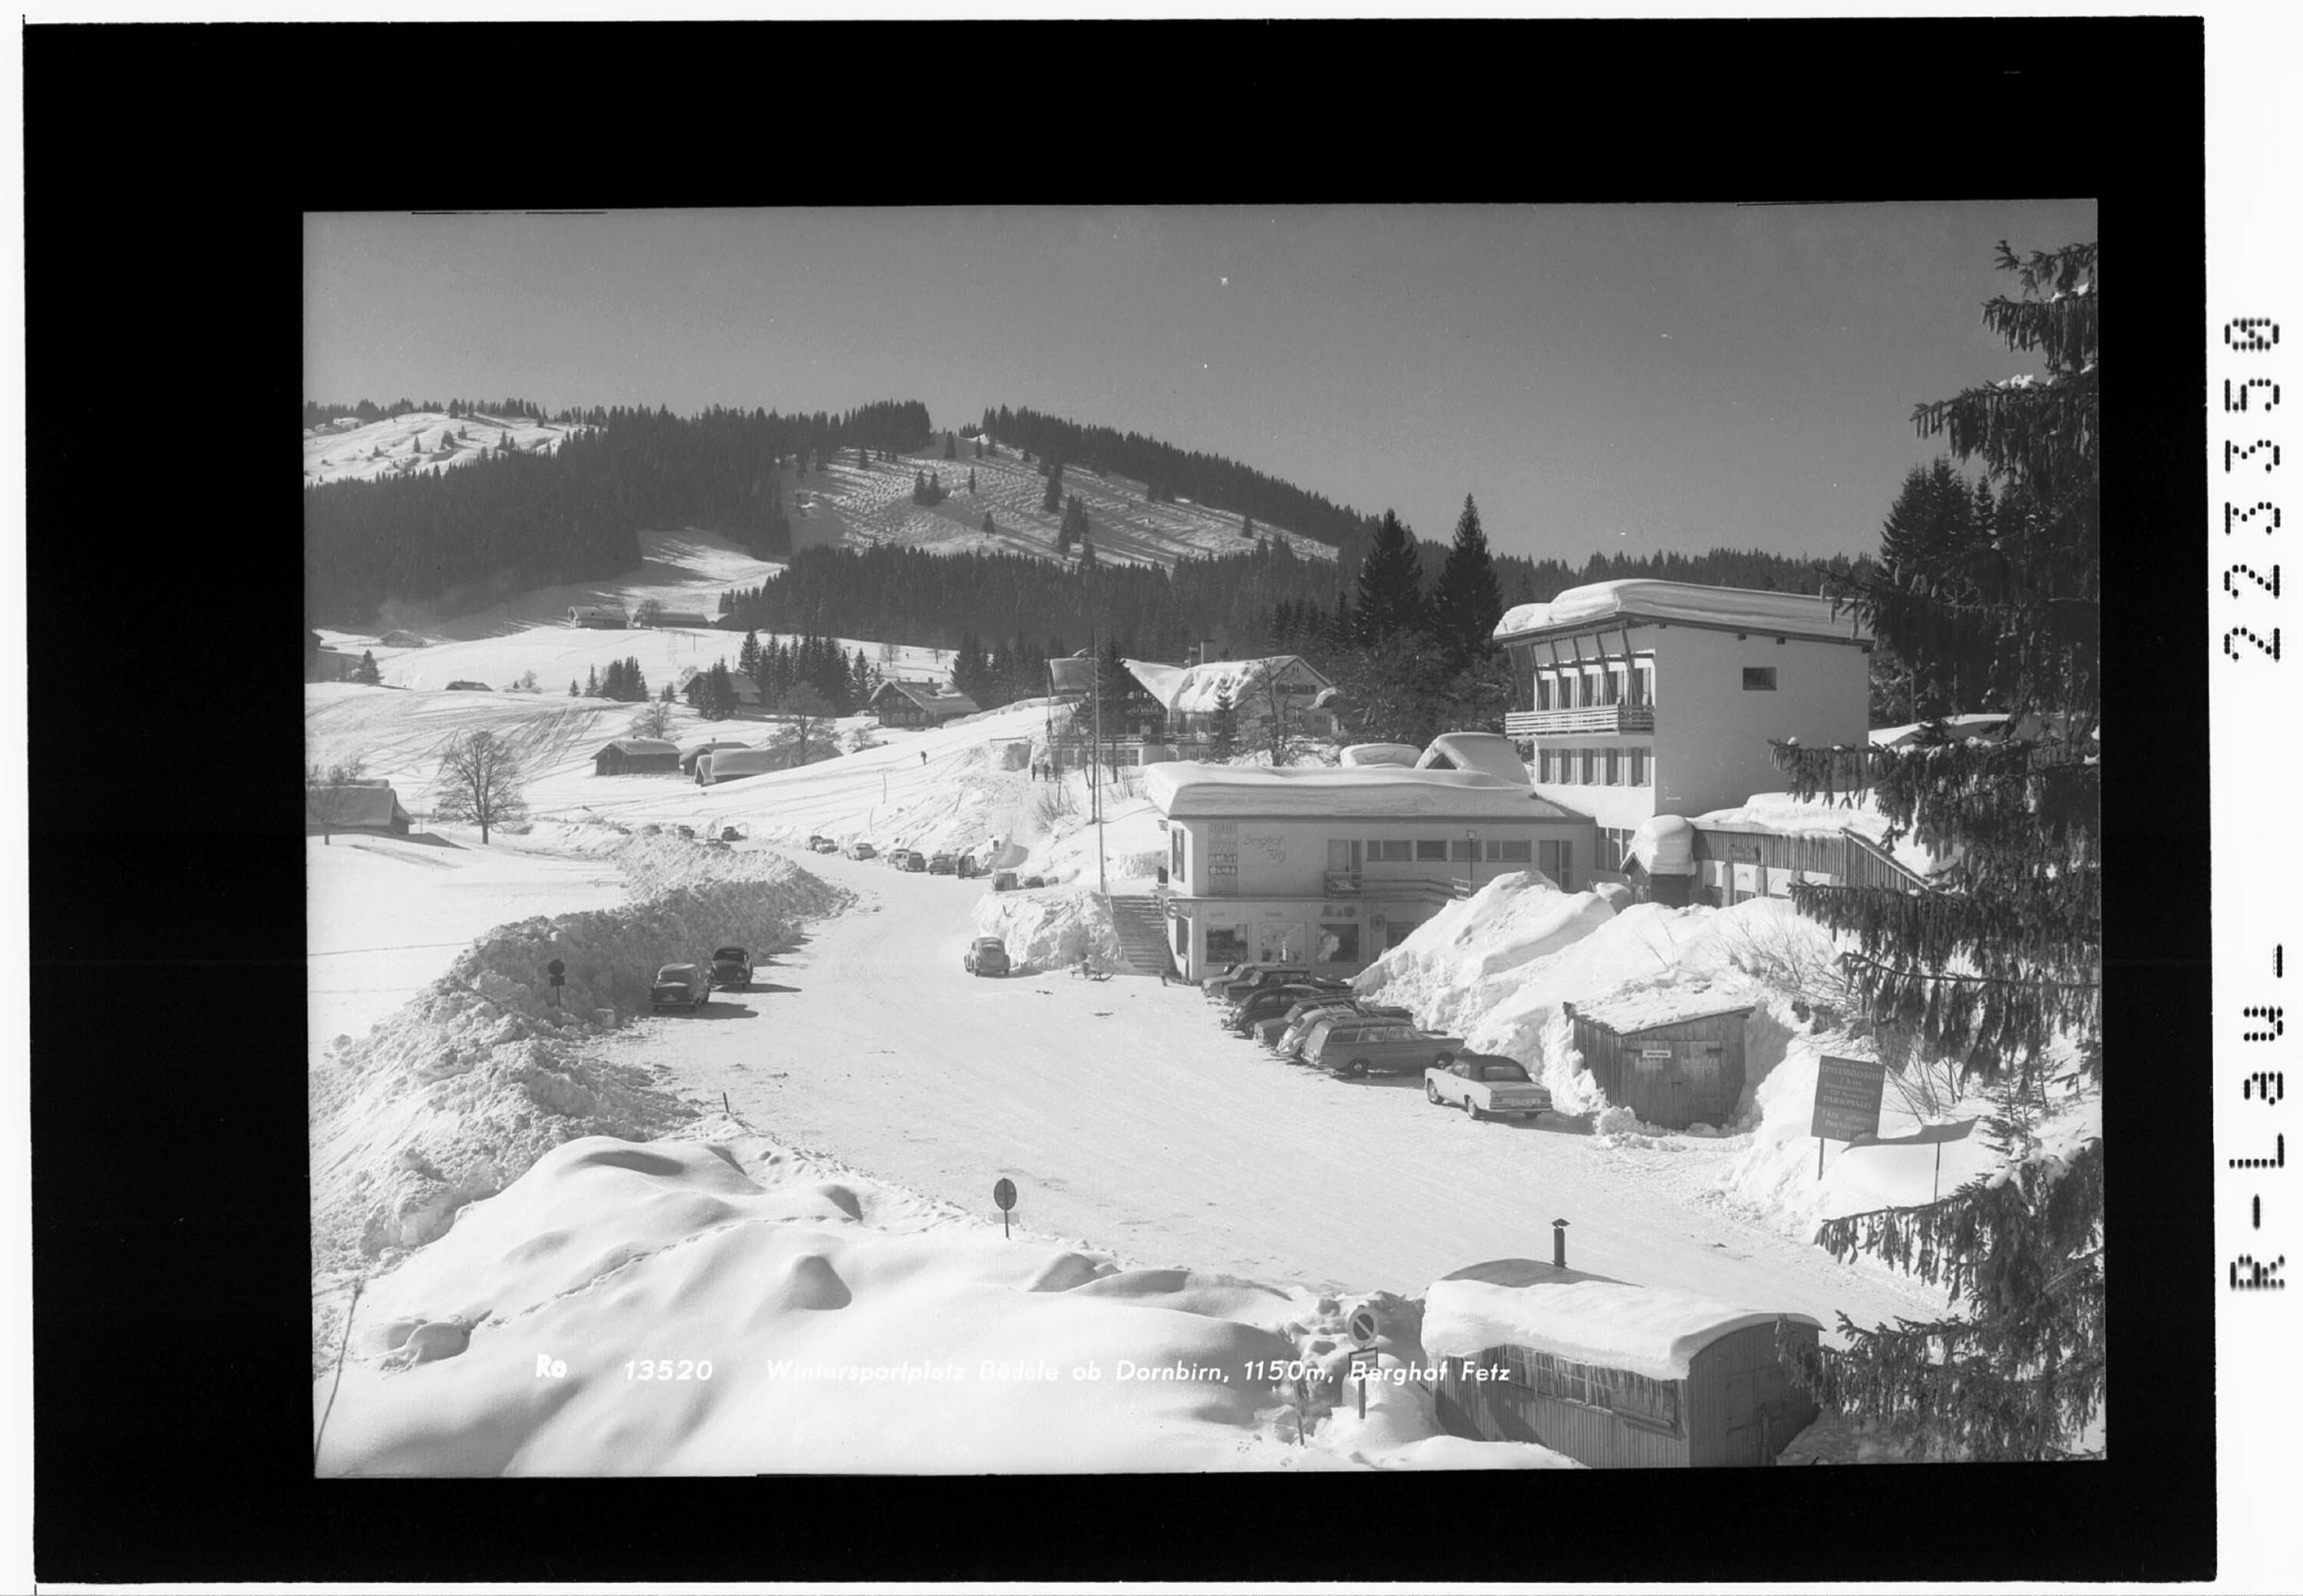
(1638, 699)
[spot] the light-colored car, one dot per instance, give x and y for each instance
(1482, 1084)
(681, 986)
(944, 864)
(862, 850)
(912, 860)
(822, 845)
(986, 956)
(1360, 1044)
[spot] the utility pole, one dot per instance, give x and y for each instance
(1095, 676)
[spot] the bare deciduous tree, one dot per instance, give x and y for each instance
(654, 721)
(480, 780)
(810, 716)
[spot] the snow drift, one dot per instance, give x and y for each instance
(1049, 929)
(474, 1080)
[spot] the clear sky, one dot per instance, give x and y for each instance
(1628, 378)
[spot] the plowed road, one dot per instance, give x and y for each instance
(1130, 1122)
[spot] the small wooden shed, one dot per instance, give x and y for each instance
(602, 617)
(1613, 1374)
(1671, 1058)
(629, 756)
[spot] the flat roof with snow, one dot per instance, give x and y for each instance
(1192, 791)
(1651, 1330)
(1629, 1010)
(1686, 603)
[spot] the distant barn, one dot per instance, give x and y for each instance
(369, 806)
(604, 617)
(733, 764)
(1613, 1374)
(676, 618)
(401, 640)
(633, 756)
(1671, 1059)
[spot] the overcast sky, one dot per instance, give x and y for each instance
(1636, 378)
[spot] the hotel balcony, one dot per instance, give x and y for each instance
(1595, 718)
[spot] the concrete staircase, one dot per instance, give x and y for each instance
(1142, 927)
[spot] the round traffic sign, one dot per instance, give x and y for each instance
(555, 968)
(1004, 1193)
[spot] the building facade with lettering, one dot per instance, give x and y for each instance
(1331, 867)
(1637, 698)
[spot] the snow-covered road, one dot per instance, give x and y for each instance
(1128, 1121)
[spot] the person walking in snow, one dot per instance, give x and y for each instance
(923, 755)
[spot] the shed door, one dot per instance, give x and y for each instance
(1703, 1065)
(1742, 1421)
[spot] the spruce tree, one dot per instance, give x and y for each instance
(365, 672)
(1053, 498)
(1465, 601)
(971, 481)
(1223, 726)
(2000, 968)
(591, 681)
(1075, 525)
(1390, 585)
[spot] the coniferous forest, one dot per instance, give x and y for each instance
(515, 518)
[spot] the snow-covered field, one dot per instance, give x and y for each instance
(346, 450)
(863, 504)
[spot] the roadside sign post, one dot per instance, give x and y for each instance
(1004, 1193)
(557, 973)
(1847, 1093)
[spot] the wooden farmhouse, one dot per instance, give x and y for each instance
(918, 703)
(633, 756)
(362, 806)
(1671, 1058)
(1613, 1374)
(604, 617)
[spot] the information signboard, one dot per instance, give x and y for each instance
(1847, 1093)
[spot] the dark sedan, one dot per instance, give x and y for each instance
(986, 956)
(681, 986)
(1271, 1001)
(732, 969)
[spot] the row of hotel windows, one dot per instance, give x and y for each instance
(1589, 690)
(1656, 1400)
(1593, 767)
(1460, 849)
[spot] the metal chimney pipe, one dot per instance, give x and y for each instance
(1559, 1244)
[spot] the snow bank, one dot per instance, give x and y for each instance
(1361, 754)
(795, 1316)
(1859, 813)
(1468, 958)
(1639, 599)
(1649, 1330)
(1049, 929)
(475, 1079)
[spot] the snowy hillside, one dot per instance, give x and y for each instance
(346, 451)
(860, 505)
(499, 641)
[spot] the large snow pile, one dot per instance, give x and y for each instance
(471, 1081)
(730, 1305)
(1635, 599)
(1589, 1318)
(1049, 929)
(1469, 956)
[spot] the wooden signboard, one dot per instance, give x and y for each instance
(1847, 1093)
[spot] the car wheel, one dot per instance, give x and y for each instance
(1471, 1108)
(1430, 1093)
(1357, 1070)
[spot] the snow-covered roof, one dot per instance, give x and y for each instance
(1665, 845)
(1489, 751)
(1651, 1330)
(1073, 674)
(640, 744)
(353, 803)
(1636, 599)
(930, 696)
(1385, 791)
(1404, 755)
(1642, 1006)
(1193, 689)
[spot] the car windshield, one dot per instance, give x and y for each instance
(675, 972)
(731, 953)
(1502, 1072)
(990, 944)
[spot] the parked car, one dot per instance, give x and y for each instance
(944, 864)
(1484, 1085)
(1269, 1002)
(688, 831)
(862, 850)
(1360, 1044)
(1035, 880)
(681, 986)
(1285, 1035)
(1253, 977)
(986, 956)
(731, 968)
(822, 845)
(968, 869)
(914, 860)
(730, 834)
(1005, 882)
